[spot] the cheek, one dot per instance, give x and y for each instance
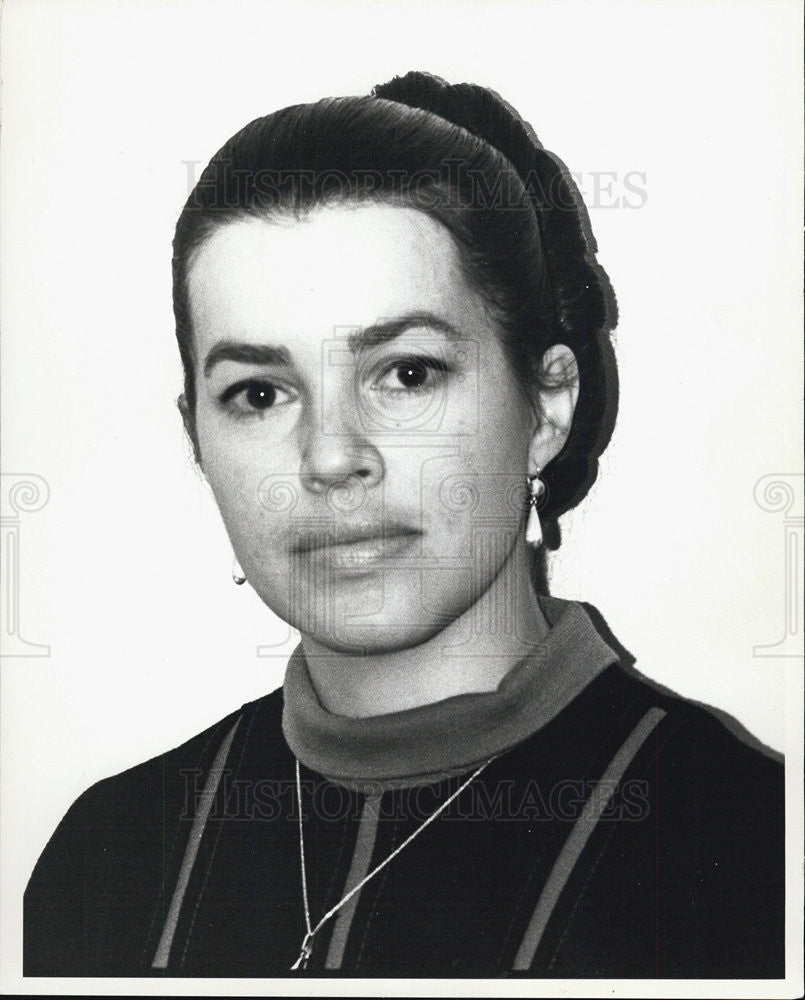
(472, 477)
(254, 489)
(475, 499)
(495, 452)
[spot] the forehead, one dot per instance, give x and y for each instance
(294, 280)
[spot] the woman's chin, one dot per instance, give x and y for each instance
(365, 640)
(374, 613)
(375, 622)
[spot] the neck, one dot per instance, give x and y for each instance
(472, 654)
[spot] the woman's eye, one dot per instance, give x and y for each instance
(261, 397)
(411, 375)
(253, 396)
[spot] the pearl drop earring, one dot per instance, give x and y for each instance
(533, 531)
(237, 573)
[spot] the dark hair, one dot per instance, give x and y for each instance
(461, 155)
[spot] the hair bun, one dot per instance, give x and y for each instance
(471, 107)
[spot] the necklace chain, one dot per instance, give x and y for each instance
(307, 943)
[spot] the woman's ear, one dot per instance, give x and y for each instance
(189, 421)
(557, 397)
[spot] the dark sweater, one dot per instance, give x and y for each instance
(626, 833)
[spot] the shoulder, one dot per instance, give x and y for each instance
(682, 832)
(694, 757)
(687, 737)
(717, 796)
(123, 837)
(705, 804)
(697, 742)
(135, 788)
(700, 741)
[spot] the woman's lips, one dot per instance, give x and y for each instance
(356, 547)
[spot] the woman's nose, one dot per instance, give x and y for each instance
(335, 450)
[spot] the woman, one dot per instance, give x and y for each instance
(397, 377)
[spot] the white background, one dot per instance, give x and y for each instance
(125, 572)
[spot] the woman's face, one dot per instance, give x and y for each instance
(357, 420)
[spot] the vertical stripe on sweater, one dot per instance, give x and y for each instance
(580, 834)
(162, 954)
(364, 848)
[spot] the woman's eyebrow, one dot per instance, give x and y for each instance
(247, 354)
(380, 333)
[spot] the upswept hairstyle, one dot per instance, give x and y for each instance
(464, 157)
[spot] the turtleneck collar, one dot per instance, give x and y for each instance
(430, 742)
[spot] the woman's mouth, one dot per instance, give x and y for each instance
(356, 547)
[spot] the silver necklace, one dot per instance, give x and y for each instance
(307, 942)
